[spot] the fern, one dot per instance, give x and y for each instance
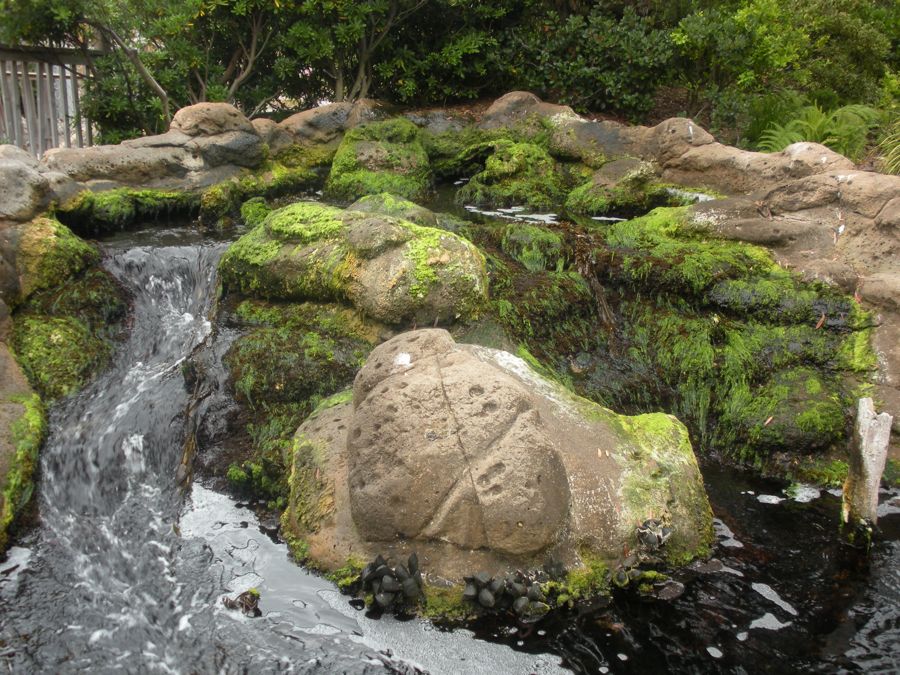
(844, 130)
(890, 149)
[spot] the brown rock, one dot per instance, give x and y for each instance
(469, 457)
(25, 191)
(209, 119)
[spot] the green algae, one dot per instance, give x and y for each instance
(514, 174)
(537, 248)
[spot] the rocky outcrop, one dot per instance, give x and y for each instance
(471, 458)
(327, 123)
(391, 269)
(206, 143)
(25, 191)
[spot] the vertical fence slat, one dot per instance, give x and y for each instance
(54, 109)
(41, 107)
(78, 134)
(64, 88)
(7, 105)
(30, 112)
(88, 125)
(17, 105)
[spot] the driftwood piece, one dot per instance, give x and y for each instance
(867, 459)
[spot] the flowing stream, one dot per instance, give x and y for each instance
(126, 570)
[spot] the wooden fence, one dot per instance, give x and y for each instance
(40, 106)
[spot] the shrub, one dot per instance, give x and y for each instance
(845, 130)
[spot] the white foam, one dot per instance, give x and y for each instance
(769, 594)
(768, 622)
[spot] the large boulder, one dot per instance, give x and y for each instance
(380, 157)
(517, 107)
(206, 143)
(393, 270)
(468, 456)
(25, 191)
(327, 123)
(22, 425)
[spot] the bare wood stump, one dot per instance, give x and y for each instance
(867, 459)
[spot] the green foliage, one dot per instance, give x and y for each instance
(889, 148)
(537, 248)
(844, 130)
(591, 62)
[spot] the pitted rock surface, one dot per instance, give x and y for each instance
(469, 457)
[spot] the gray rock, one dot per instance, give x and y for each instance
(25, 191)
(210, 119)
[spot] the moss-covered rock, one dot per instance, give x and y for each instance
(514, 174)
(17, 478)
(48, 253)
(101, 212)
(391, 269)
(630, 191)
(254, 211)
(537, 248)
(380, 157)
(273, 179)
(391, 205)
(58, 353)
(553, 476)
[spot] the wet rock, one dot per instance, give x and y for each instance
(25, 191)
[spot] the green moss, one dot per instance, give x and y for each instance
(93, 297)
(254, 211)
(587, 581)
(27, 434)
(380, 157)
(49, 254)
(891, 475)
(337, 399)
(312, 497)
(391, 205)
(819, 471)
(306, 156)
(634, 194)
(58, 354)
(514, 174)
(99, 212)
(347, 576)
(446, 603)
(273, 179)
(537, 248)
(304, 222)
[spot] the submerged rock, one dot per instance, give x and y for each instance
(469, 456)
(393, 270)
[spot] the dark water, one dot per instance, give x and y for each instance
(126, 572)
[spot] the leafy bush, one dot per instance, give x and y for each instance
(592, 62)
(844, 130)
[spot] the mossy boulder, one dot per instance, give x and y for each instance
(380, 157)
(513, 174)
(58, 353)
(511, 469)
(391, 269)
(294, 352)
(102, 212)
(391, 205)
(622, 187)
(47, 253)
(22, 430)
